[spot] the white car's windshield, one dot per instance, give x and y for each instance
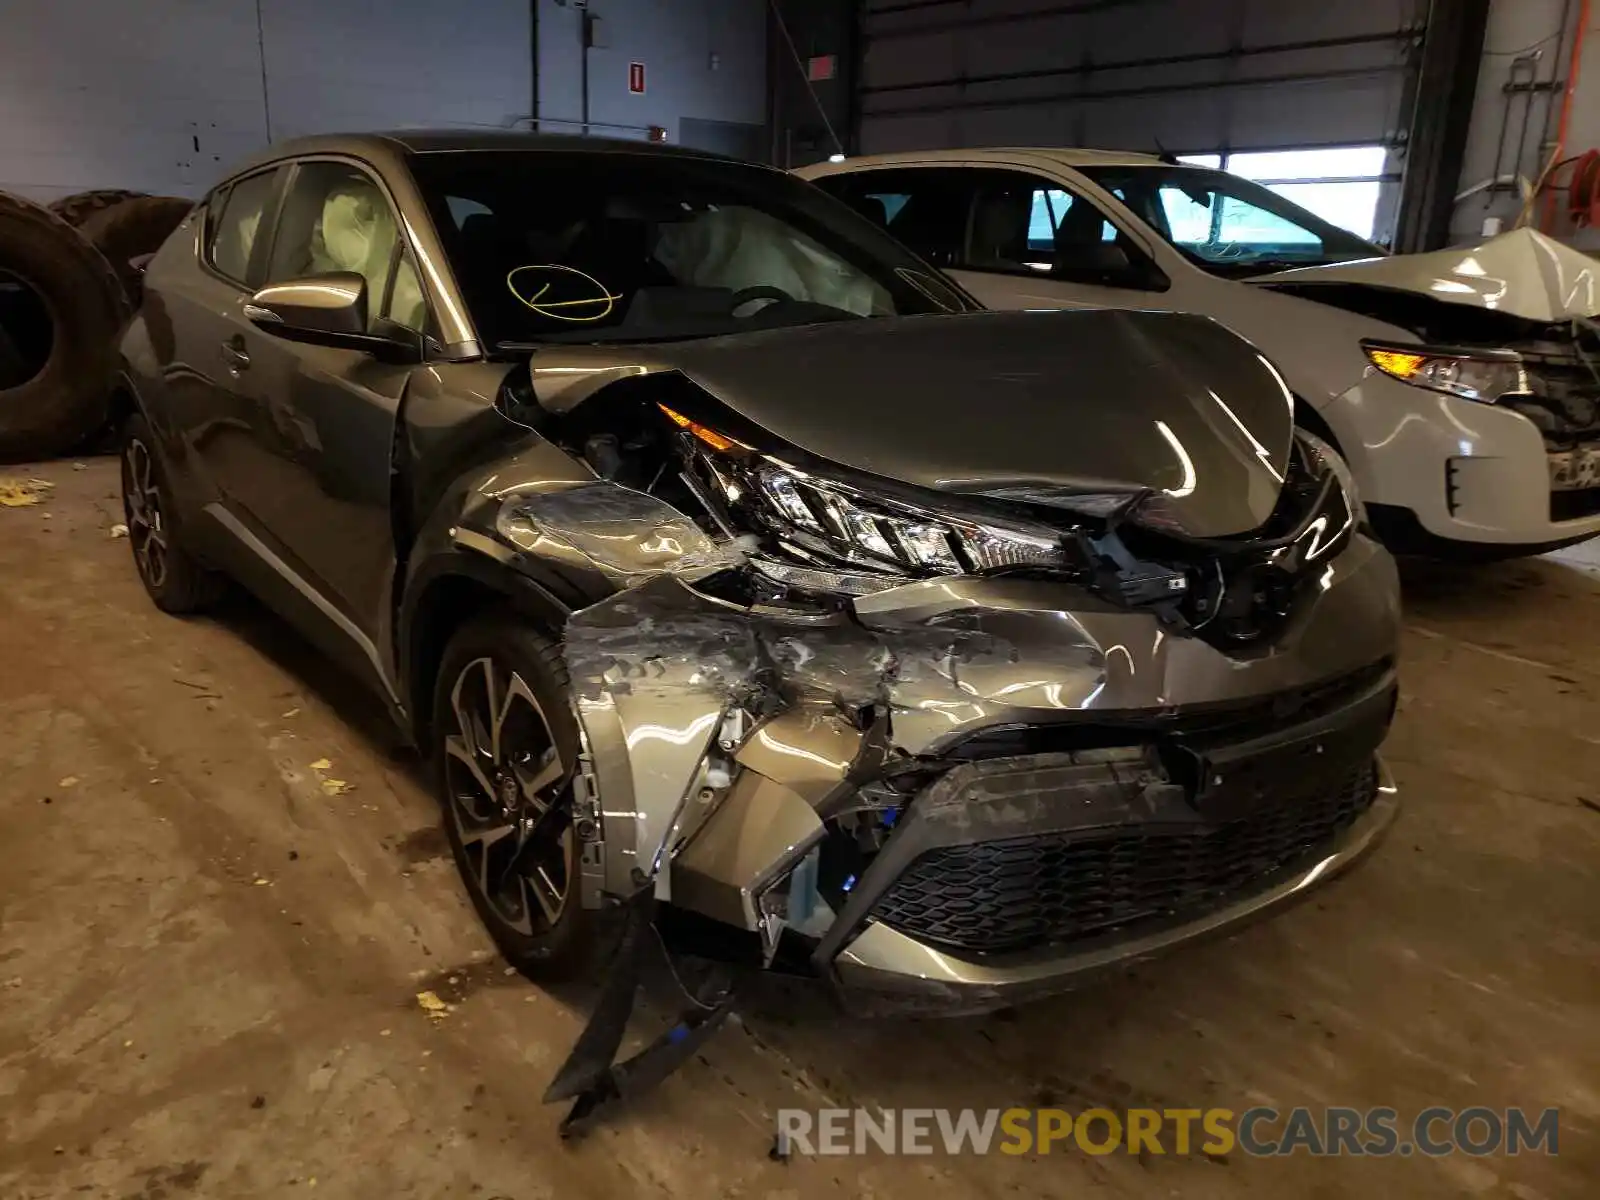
(1228, 225)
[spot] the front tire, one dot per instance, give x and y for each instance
(505, 749)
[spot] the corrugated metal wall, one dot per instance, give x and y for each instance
(1197, 76)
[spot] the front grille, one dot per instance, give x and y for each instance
(1564, 379)
(1575, 504)
(1020, 893)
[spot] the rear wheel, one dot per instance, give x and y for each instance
(174, 579)
(505, 745)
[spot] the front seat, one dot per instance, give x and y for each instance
(1000, 228)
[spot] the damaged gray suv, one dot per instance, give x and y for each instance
(738, 580)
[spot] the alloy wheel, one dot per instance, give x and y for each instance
(509, 797)
(141, 506)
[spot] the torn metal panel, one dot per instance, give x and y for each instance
(1523, 273)
(653, 670)
(745, 844)
(809, 749)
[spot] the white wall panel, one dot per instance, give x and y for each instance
(150, 95)
(160, 95)
(339, 65)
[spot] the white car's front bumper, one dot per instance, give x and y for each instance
(1465, 472)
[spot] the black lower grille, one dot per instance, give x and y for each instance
(1032, 891)
(1575, 504)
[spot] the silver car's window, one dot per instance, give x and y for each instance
(336, 219)
(234, 222)
(579, 246)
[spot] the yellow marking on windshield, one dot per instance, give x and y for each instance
(604, 301)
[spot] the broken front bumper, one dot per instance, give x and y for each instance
(1085, 786)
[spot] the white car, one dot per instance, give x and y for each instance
(1462, 386)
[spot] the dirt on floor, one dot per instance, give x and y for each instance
(222, 887)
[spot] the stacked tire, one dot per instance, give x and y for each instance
(66, 288)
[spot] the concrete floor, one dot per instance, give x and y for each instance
(208, 964)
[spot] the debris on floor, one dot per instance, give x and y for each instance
(119, 530)
(430, 1003)
(20, 493)
(330, 786)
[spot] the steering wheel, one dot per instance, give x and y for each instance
(760, 291)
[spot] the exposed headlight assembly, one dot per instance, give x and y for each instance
(1483, 375)
(1324, 457)
(838, 536)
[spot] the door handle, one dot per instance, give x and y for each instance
(234, 352)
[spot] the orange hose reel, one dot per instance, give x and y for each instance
(1583, 193)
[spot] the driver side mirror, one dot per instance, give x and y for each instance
(328, 310)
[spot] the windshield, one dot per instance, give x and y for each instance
(1228, 225)
(615, 246)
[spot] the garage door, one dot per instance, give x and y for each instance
(1194, 77)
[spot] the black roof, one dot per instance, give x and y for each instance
(437, 141)
(388, 150)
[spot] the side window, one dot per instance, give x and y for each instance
(234, 220)
(406, 304)
(1024, 224)
(1049, 217)
(336, 218)
(924, 207)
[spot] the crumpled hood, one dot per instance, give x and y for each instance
(1023, 405)
(1522, 273)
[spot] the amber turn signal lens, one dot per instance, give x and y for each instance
(1396, 362)
(709, 436)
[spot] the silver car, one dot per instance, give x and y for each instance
(736, 577)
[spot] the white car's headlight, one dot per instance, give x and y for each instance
(1484, 375)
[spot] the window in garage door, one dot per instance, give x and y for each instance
(1340, 184)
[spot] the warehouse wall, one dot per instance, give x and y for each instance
(158, 95)
(705, 61)
(1533, 32)
(1124, 73)
(95, 93)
